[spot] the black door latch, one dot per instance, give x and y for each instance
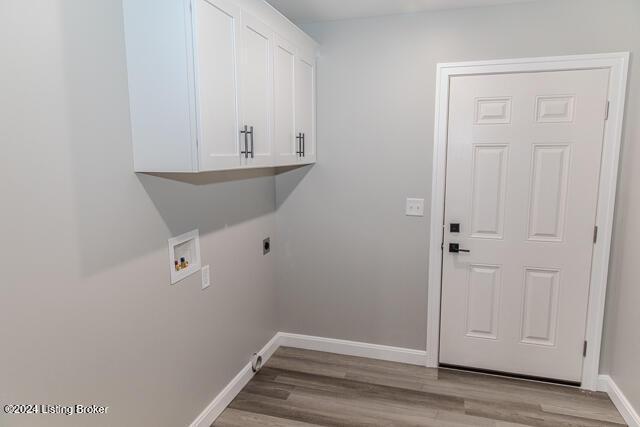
(454, 248)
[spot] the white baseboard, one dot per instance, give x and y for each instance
(224, 398)
(354, 348)
(307, 342)
(630, 415)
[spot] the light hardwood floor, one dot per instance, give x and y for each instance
(303, 388)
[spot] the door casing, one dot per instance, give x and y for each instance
(617, 63)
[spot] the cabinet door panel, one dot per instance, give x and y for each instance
(217, 33)
(257, 89)
(305, 104)
(284, 105)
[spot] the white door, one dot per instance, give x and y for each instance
(305, 106)
(256, 86)
(284, 58)
(523, 164)
(216, 41)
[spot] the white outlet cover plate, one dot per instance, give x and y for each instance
(415, 207)
(206, 277)
(189, 243)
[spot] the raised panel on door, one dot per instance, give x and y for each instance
(257, 92)
(483, 305)
(284, 60)
(549, 180)
(489, 191)
(305, 105)
(540, 306)
(217, 36)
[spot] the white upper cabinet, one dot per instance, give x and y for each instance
(214, 86)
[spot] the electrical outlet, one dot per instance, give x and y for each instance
(415, 207)
(206, 277)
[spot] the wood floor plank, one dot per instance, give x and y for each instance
(501, 393)
(269, 389)
(234, 418)
(310, 367)
(313, 414)
(593, 412)
(528, 415)
(301, 388)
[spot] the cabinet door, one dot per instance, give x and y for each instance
(216, 38)
(285, 101)
(256, 87)
(305, 104)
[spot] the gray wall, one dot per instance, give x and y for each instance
(351, 265)
(86, 311)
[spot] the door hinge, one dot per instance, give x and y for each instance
(606, 111)
(584, 350)
(595, 234)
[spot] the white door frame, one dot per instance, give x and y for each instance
(618, 65)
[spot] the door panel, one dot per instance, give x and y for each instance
(547, 208)
(217, 35)
(483, 304)
(284, 106)
(257, 90)
(489, 191)
(540, 306)
(523, 165)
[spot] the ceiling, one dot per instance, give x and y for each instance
(306, 11)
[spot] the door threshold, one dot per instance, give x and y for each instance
(510, 375)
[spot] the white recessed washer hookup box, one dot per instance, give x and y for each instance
(184, 255)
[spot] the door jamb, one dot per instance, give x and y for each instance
(617, 63)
